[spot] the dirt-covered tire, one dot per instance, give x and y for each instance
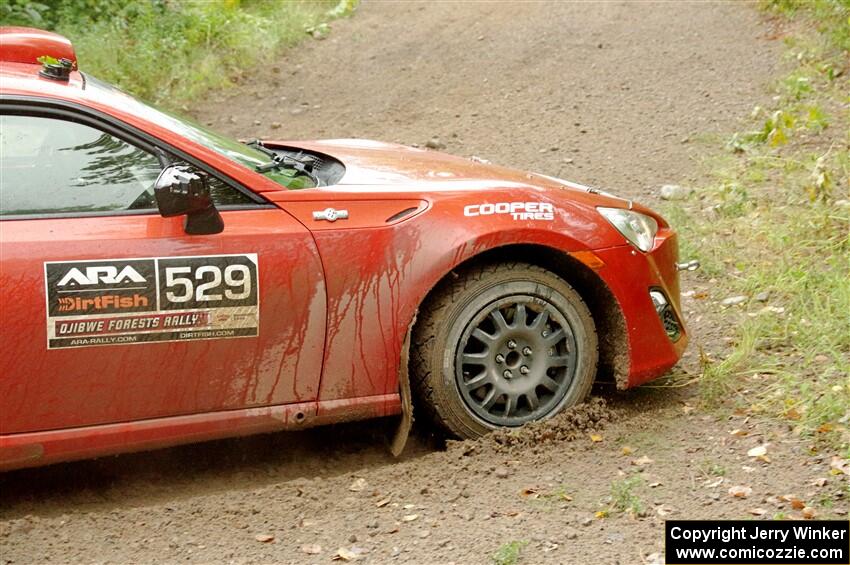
(499, 346)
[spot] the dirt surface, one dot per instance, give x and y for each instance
(611, 94)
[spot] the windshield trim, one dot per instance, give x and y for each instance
(222, 145)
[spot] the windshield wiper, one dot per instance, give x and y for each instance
(258, 145)
(304, 166)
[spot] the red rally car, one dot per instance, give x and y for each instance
(164, 284)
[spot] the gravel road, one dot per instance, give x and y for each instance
(615, 94)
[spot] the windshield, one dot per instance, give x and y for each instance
(230, 148)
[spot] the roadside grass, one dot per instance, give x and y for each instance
(509, 553)
(774, 226)
(171, 52)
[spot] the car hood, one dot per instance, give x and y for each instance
(375, 163)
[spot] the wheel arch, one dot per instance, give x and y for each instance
(614, 358)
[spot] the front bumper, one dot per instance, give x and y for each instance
(654, 346)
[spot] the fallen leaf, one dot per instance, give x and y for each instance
(663, 510)
(641, 461)
(839, 465)
(264, 538)
(740, 491)
(384, 502)
(627, 450)
(358, 485)
(311, 549)
(595, 438)
(797, 504)
(738, 432)
(715, 483)
(809, 513)
(530, 492)
(757, 511)
(601, 514)
(410, 517)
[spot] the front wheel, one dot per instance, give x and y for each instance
(500, 346)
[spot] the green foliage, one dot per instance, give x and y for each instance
(170, 52)
(776, 220)
(623, 497)
(24, 13)
(830, 17)
(509, 553)
(47, 60)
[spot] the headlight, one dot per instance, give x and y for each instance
(639, 229)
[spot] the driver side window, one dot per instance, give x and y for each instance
(54, 166)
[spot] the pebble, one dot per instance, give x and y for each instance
(734, 300)
(502, 473)
(435, 143)
(762, 296)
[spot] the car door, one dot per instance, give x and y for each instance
(112, 313)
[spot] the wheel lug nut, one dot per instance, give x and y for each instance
(523, 370)
(500, 358)
(526, 351)
(511, 344)
(545, 333)
(508, 375)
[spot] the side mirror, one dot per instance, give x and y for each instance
(181, 189)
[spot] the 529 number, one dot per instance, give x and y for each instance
(209, 279)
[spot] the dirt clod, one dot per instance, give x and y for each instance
(565, 427)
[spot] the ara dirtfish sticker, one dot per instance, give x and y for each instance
(121, 301)
(517, 210)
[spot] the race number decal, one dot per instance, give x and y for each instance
(125, 301)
